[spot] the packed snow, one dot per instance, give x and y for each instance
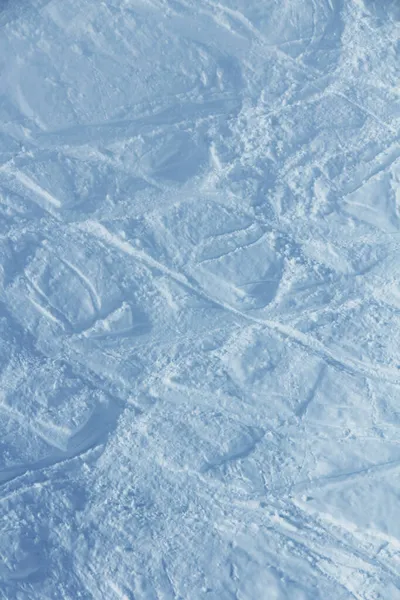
(199, 299)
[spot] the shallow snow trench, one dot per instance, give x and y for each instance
(199, 300)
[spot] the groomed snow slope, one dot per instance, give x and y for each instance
(199, 299)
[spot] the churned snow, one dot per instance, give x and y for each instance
(199, 299)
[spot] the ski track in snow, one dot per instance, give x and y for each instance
(199, 300)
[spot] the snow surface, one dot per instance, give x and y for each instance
(199, 299)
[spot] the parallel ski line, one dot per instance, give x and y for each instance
(96, 300)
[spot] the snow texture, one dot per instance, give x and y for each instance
(199, 299)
